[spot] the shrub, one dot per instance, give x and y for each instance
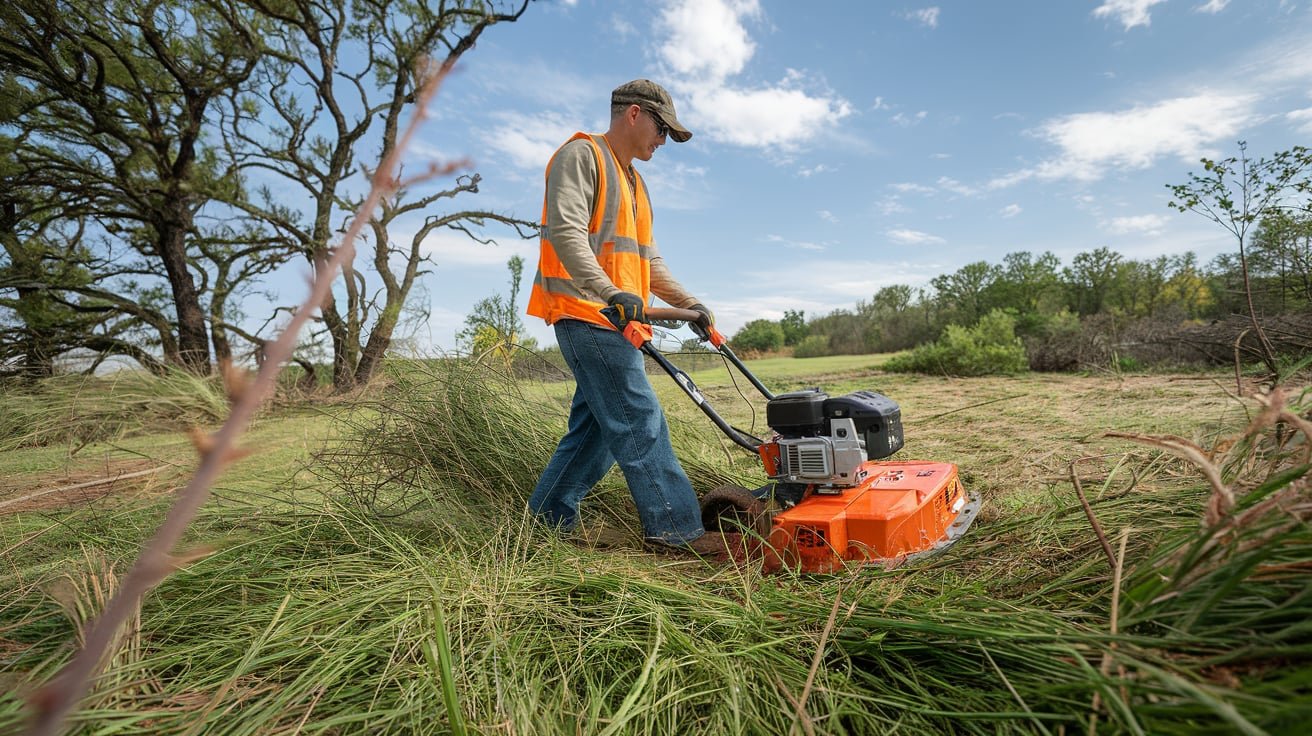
(762, 335)
(1059, 342)
(812, 346)
(989, 348)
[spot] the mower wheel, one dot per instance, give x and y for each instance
(731, 508)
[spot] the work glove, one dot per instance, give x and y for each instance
(702, 327)
(628, 308)
(707, 319)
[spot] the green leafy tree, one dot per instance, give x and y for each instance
(761, 335)
(1281, 256)
(964, 293)
(1030, 286)
(1188, 287)
(1090, 278)
(118, 99)
(794, 326)
(495, 325)
(1236, 193)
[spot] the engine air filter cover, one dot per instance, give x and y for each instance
(877, 417)
(797, 413)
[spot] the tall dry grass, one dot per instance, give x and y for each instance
(461, 614)
(81, 409)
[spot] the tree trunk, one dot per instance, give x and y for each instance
(380, 339)
(193, 337)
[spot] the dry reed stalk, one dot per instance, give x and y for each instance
(800, 716)
(53, 702)
(1222, 498)
(1218, 520)
(1088, 511)
(1105, 668)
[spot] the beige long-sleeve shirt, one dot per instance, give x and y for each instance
(571, 196)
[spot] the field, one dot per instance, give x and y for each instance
(370, 569)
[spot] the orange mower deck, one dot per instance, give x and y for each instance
(901, 510)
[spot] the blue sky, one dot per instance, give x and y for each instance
(843, 146)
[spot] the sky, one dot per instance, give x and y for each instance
(841, 146)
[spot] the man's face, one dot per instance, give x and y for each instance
(651, 133)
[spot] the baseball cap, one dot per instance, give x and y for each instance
(654, 99)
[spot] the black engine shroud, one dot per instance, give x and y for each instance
(807, 413)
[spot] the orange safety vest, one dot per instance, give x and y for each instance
(619, 233)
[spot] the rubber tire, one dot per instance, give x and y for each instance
(733, 508)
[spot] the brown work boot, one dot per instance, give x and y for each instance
(712, 546)
(600, 536)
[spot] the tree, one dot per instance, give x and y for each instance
(313, 144)
(965, 291)
(893, 322)
(1281, 251)
(1237, 192)
(117, 100)
(495, 324)
(1090, 278)
(794, 326)
(762, 335)
(1187, 287)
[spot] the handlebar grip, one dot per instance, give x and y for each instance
(672, 313)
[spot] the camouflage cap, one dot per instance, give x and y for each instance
(654, 99)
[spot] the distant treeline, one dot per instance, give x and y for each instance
(1102, 306)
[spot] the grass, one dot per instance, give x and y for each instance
(310, 612)
(81, 409)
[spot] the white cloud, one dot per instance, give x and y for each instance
(451, 248)
(880, 104)
(940, 156)
(890, 206)
(827, 216)
(912, 188)
(769, 117)
(949, 184)
(906, 121)
(530, 140)
(814, 284)
(622, 27)
(1136, 224)
(1301, 118)
(802, 244)
(707, 38)
(1130, 13)
(925, 16)
(678, 186)
(913, 237)
(1212, 6)
(1092, 143)
(1010, 211)
(817, 169)
(1277, 64)
(705, 44)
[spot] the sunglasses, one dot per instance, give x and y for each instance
(662, 129)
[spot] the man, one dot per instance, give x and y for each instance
(597, 250)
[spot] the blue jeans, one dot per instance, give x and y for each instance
(615, 417)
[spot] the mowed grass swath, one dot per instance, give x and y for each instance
(409, 594)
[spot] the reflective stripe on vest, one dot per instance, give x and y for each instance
(619, 234)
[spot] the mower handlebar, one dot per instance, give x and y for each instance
(672, 313)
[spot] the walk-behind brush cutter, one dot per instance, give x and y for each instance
(833, 498)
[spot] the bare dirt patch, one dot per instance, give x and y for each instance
(43, 491)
